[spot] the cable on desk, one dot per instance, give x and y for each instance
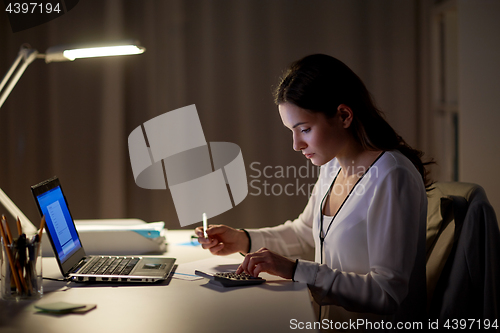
(53, 279)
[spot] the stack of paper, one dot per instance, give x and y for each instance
(117, 237)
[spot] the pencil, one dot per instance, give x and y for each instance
(7, 230)
(10, 259)
(20, 259)
(16, 263)
(40, 233)
(42, 225)
(205, 226)
(19, 227)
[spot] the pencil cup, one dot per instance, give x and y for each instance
(21, 270)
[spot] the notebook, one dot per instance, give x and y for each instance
(70, 254)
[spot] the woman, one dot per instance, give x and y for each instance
(366, 217)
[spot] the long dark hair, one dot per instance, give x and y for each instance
(320, 83)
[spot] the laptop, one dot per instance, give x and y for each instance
(68, 249)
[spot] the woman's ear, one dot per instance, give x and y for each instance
(346, 115)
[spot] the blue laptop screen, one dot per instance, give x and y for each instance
(59, 222)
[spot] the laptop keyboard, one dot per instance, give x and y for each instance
(109, 266)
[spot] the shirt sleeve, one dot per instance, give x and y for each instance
(293, 238)
(393, 219)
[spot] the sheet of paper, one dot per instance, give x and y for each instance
(111, 227)
(211, 265)
(148, 230)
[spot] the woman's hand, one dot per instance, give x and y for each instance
(267, 261)
(223, 240)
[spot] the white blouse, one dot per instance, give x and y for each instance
(374, 249)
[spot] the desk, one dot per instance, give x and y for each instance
(171, 306)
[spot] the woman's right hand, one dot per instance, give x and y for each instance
(223, 240)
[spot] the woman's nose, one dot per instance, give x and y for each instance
(298, 144)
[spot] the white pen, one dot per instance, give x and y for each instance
(205, 226)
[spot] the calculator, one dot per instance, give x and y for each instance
(231, 279)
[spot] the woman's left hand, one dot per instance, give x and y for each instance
(267, 261)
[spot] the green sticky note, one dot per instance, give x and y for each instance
(60, 307)
(87, 308)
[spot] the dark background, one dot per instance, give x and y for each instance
(72, 119)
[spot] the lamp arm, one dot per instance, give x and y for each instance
(11, 70)
(27, 55)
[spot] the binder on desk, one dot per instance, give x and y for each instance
(118, 237)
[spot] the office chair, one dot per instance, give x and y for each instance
(463, 254)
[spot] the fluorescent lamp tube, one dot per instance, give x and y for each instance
(102, 51)
(70, 53)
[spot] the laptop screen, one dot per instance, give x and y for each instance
(59, 222)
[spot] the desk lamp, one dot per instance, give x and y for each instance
(26, 56)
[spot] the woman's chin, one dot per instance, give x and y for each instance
(316, 161)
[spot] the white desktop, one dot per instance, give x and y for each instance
(180, 304)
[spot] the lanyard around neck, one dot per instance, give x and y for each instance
(322, 234)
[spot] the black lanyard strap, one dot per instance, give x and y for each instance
(322, 234)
